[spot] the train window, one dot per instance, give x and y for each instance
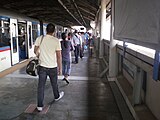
(34, 31)
(22, 36)
(4, 33)
(30, 40)
(14, 40)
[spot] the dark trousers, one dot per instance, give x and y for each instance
(76, 52)
(82, 51)
(43, 73)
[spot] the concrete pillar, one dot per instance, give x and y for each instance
(97, 28)
(102, 26)
(41, 28)
(113, 56)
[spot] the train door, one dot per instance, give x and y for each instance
(22, 39)
(14, 41)
(30, 47)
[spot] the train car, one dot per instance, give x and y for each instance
(17, 36)
(79, 29)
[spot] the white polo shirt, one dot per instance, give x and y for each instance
(76, 39)
(48, 48)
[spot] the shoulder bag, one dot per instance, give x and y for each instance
(32, 67)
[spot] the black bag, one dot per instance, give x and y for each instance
(33, 67)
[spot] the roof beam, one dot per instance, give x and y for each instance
(75, 5)
(69, 12)
(87, 11)
(88, 18)
(87, 5)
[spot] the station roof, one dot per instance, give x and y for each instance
(61, 12)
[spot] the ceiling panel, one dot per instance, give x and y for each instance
(61, 12)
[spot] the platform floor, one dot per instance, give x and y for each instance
(87, 97)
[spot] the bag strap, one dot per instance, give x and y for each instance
(41, 39)
(78, 39)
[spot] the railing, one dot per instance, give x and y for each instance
(136, 66)
(106, 50)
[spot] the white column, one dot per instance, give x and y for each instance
(113, 56)
(102, 26)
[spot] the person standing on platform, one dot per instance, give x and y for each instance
(49, 48)
(82, 37)
(86, 35)
(66, 56)
(77, 46)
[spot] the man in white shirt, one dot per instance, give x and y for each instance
(50, 60)
(77, 45)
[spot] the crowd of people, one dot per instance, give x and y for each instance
(76, 42)
(55, 58)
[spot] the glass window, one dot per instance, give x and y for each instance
(34, 31)
(30, 40)
(4, 33)
(22, 36)
(14, 40)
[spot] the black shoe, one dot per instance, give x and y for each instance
(64, 79)
(75, 62)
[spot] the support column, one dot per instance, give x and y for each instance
(41, 28)
(102, 26)
(113, 56)
(98, 34)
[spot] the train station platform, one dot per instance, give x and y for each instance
(87, 96)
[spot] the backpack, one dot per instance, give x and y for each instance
(32, 67)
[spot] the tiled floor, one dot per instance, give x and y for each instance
(87, 97)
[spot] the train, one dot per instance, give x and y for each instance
(17, 36)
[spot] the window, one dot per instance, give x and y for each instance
(34, 31)
(14, 40)
(30, 40)
(4, 33)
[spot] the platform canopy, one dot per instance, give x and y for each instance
(138, 21)
(61, 12)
